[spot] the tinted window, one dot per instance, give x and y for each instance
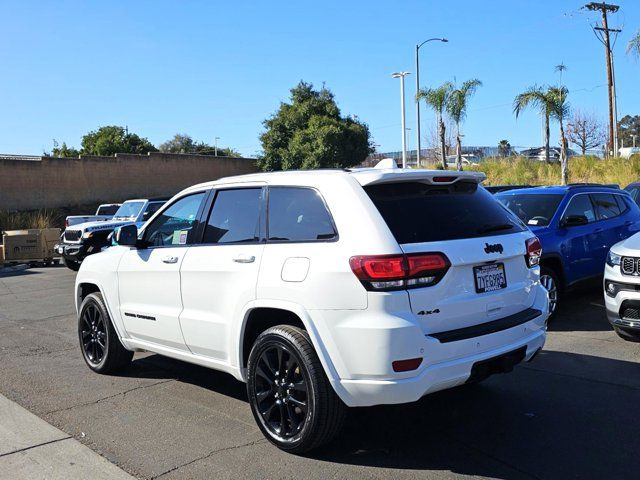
(176, 225)
(633, 191)
(298, 215)
(417, 212)
(532, 209)
(129, 210)
(108, 210)
(580, 205)
(622, 203)
(235, 217)
(606, 206)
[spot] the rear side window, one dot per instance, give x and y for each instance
(606, 206)
(622, 203)
(580, 206)
(235, 217)
(417, 212)
(298, 215)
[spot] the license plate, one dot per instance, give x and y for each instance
(490, 278)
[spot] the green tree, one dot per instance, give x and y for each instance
(538, 98)
(113, 139)
(633, 47)
(309, 132)
(457, 102)
(436, 99)
(183, 143)
(628, 128)
(63, 151)
(504, 148)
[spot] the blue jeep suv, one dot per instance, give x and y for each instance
(576, 225)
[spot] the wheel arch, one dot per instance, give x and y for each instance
(293, 314)
(554, 262)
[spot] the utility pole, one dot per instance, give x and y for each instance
(605, 8)
(215, 146)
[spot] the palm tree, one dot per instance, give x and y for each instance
(559, 111)
(539, 98)
(436, 98)
(457, 109)
(504, 148)
(634, 45)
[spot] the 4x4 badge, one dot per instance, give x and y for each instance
(428, 312)
(495, 248)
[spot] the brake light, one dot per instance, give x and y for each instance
(66, 223)
(444, 179)
(397, 272)
(534, 252)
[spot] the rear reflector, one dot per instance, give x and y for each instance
(396, 272)
(534, 252)
(406, 365)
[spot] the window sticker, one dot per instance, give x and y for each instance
(180, 237)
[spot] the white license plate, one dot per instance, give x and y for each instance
(490, 278)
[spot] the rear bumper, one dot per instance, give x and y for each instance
(436, 377)
(363, 347)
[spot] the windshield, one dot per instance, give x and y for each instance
(418, 212)
(535, 210)
(128, 210)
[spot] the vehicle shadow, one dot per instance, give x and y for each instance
(581, 310)
(562, 416)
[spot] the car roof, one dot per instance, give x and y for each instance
(364, 176)
(562, 189)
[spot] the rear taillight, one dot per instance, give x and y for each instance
(398, 272)
(66, 223)
(534, 252)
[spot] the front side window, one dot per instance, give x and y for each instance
(177, 224)
(580, 206)
(298, 215)
(532, 208)
(606, 206)
(235, 217)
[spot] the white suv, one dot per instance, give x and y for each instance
(320, 290)
(622, 288)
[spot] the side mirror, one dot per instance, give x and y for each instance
(127, 235)
(574, 221)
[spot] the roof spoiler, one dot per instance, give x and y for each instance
(386, 163)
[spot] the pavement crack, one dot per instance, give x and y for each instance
(102, 399)
(34, 446)
(203, 457)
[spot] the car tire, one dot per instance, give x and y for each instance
(549, 280)
(627, 335)
(71, 264)
(297, 410)
(99, 343)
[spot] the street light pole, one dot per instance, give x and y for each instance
(444, 40)
(401, 76)
(215, 146)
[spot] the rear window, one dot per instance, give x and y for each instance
(417, 212)
(108, 209)
(535, 209)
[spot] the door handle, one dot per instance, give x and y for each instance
(170, 259)
(242, 258)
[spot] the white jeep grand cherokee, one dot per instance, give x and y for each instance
(321, 290)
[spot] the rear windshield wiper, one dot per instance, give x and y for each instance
(496, 228)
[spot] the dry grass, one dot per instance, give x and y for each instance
(32, 219)
(520, 171)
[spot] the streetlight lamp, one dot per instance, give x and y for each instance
(444, 40)
(401, 76)
(215, 146)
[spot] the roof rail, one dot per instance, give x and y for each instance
(607, 185)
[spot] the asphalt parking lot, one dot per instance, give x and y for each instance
(572, 413)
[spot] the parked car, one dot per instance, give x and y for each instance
(634, 191)
(622, 288)
(321, 290)
(576, 224)
(105, 212)
(79, 241)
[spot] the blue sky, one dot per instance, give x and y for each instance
(217, 69)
